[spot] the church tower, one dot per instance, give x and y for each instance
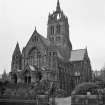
(16, 59)
(58, 29)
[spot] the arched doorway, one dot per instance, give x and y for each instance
(27, 77)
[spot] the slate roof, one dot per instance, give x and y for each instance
(77, 55)
(45, 40)
(32, 68)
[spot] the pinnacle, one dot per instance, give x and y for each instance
(17, 49)
(17, 46)
(58, 6)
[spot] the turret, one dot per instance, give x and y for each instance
(16, 59)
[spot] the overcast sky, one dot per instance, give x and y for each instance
(18, 19)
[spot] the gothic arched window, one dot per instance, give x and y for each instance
(33, 52)
(58, 28)
(52, 30)
(33, 56)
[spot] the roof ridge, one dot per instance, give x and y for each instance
(78, 49)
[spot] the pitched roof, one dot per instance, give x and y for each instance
(32, 68)
(29, 67)
(45, 40)
(77, 55)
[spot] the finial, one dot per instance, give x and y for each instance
(58, 6)
(35, 28)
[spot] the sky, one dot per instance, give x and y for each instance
(18, 19)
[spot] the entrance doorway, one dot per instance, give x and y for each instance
(27, 77)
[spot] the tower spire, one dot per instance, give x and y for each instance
(58, 6)
(17, 49)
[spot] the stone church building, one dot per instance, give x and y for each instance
(51, 58)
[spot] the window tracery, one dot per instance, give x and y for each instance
(58, 28)
(33, 56)
(52, 30)
(33, 52)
